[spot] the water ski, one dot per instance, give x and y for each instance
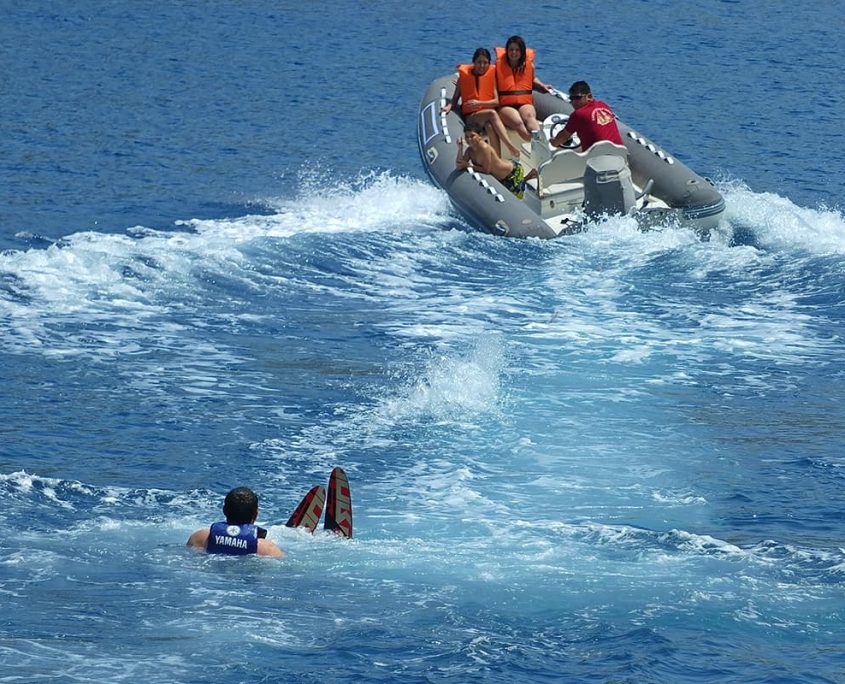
(309, 510)
(339, 506)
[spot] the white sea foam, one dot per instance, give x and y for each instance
(779, 224)
(78, 496)
(126, 288)
(601, 310)
(452, 386)
(128, 291)
(452, 390)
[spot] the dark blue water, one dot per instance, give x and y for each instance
(614, 457)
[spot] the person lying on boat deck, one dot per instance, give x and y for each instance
(592, 120)
(476, 89)
(516, 81)
(485, 159)
(238, 535)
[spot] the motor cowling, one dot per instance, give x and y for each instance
(608, 187)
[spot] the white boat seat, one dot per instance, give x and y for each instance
(567, 166)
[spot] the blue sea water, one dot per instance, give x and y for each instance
(614, 457)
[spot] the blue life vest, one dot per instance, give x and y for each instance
(235, 540)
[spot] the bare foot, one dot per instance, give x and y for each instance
(513, 150)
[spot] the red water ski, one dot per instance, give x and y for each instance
(309, 510)
(339, 505)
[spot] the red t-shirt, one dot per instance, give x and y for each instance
(594, 122)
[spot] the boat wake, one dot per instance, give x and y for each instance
(776, 224)
(396, 224)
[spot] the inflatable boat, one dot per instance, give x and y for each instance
(572, 188)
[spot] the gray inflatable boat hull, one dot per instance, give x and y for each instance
(668, 192)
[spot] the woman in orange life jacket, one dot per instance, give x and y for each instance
(515, 80)
(476, 89)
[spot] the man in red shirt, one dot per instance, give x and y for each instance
(592, 119)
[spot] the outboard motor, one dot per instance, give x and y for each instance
(608, 188)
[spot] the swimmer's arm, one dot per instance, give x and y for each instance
(268, 548)
(199, 540)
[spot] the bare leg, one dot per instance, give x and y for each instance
(496, 130)
(511, 118)
(499, 127)
(529, 117)
(493, 138)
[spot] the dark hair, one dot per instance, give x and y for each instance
(580, 88)
(240, 506)
(481, 52)
(520, 65)
(473, 127)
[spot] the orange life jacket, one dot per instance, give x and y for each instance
(514, 87)
(475, 87)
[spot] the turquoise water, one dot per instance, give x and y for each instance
(613, 457)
